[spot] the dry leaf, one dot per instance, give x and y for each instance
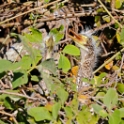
(74, 70)
(115, 67)
(109, 65)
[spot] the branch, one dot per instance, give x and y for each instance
(109, 13)
(109, 60)
(44, 6)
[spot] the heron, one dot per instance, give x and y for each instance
(89, 52)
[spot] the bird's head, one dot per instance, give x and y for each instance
(80, 39)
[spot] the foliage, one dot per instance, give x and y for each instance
(56, 100)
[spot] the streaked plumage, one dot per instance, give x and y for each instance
(89, 53)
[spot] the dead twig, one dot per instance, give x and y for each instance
(105, 25)
(109, 13)
(21, 14)
(17, 94)
(10, 115)
(109, 60)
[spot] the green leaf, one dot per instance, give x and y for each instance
(3, 96)
(8, 103)
(99, 110)
(115, 117)
(121, 122)
(19, 79)
(47, 79)
(85, 117)
(119, 57)
(58, 37)
(120, 87)
(32, 16)
(16, 66)
(34, 78)
(55, 110)
(40, 113)
(85, 80)
(9, 66)
(49, 64)
(94, 119)
(122, 36)
(118, 4)
(27, 45)
(36, 56)
(106, 18)
(14, 35)
(110, 99)
(98, 79)
(121, 112)
(34, 53)
(26, 62)
(118, 37)
(97, 20)
(57, 34)
(31, 121)
(46, 1)
(71, 50)
(1, 122)
(56, 84)
(62, 94)
(61, 28)
(5, 65)
(34, 36)
(69, 112)
(100, 94)
(101, 76)
(64, 63)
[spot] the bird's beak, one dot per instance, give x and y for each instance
(79, 39)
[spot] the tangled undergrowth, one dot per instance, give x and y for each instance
(39, 62)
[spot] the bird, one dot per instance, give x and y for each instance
(89, 52)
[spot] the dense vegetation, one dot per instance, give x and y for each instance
(39, 62)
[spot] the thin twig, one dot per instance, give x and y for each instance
(105, 25)
(109, 60)
(10, 115)
(112, 5)
(43, 6)
(63, 41)
(15, 120)
(70, 15)
(119, 11)
(109, 13)
(107, 54)
(5, 113)
(17, 94)
(89, 5)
